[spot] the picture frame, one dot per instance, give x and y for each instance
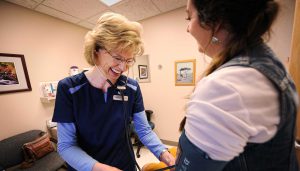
(141, 65)
(185, 72)
(13, 74)
(143, 71)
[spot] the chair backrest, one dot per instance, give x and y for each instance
(148, 114)
(11, 148)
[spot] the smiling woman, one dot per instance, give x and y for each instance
(228, 119)
(106, 47)
(91, 106)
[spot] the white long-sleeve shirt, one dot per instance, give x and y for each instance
(230, 107)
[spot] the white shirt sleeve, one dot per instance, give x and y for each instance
(228, 109)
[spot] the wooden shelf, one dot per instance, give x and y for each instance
(48, 91)
(47, 99)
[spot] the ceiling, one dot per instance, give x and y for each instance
(86, 12)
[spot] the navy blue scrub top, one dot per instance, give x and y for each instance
(99, 124)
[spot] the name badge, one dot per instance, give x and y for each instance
(119, 98)
(121, 87)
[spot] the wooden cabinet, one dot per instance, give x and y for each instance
(294, 67)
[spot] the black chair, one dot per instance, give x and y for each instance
(136, 141)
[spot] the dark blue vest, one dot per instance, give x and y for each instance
(277, 154)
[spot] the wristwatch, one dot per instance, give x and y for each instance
(164, 150)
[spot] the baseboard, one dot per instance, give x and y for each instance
(171, 143)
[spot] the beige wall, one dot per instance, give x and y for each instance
(166, 41)
(51, 46)
(282, 31)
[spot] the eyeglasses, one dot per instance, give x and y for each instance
(118, 60)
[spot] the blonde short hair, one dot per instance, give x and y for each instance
(114, 32)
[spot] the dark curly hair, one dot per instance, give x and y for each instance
(247, 21)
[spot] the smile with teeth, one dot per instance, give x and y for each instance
(115, 71)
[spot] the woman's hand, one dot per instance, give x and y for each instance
(104, 167)
(167, 158)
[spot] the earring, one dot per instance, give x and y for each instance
(202, 23)
(215, 40)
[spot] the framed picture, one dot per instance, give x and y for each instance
(143, 71)
(13, 73)
(185, 72)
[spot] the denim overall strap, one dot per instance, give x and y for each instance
(277, 154)
(263, 60)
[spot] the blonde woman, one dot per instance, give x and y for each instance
(93, 108)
